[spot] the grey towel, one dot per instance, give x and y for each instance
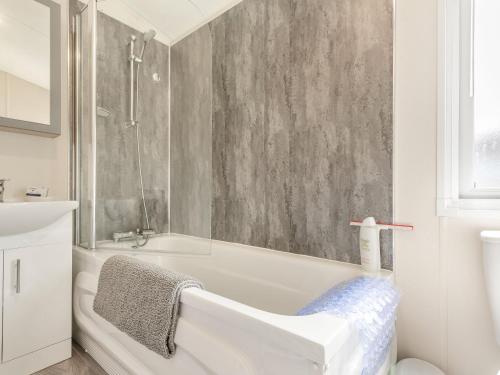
(142, 300)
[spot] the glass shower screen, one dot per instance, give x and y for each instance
(143, 169)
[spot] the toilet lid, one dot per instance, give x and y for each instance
(412, 366)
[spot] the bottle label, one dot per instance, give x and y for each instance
(364, 245)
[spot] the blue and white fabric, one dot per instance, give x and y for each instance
(369, 304)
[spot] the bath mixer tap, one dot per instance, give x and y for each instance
(2, 188)
(123, 236)
(133, 236)
(146, 232)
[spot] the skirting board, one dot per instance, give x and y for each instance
(36, 361)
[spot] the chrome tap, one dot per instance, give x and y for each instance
(123, 236)
(146, 232)
(2, 188)
(139, 234)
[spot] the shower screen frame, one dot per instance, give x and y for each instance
(85, 118)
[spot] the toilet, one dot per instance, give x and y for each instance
(413, 366)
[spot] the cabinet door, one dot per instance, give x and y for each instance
(37, 298)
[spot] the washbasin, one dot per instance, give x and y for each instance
(24, 217)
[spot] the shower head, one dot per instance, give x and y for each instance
(148, 36)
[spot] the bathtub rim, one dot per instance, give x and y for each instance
(212, 243)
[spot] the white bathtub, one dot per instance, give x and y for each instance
(243, 323)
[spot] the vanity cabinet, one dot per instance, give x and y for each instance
(37, 295)
(35, 269)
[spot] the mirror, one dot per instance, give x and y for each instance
(30, 64)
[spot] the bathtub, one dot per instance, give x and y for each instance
(242, 324)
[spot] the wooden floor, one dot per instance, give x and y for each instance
(80, 364)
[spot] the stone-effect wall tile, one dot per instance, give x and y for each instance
(301, 123)
(191, 134)
(238, 160)
(342, 124)
(277, 122)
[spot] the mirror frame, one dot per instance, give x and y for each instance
(54, 128)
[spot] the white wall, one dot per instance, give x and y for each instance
(444, 316)
(30, 160)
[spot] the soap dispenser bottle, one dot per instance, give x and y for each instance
(369, 241)
(369, 245)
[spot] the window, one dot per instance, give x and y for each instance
(469, 124)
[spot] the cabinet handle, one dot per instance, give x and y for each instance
(18, 276)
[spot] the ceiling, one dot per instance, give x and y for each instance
(172, 19)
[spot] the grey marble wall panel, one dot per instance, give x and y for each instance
(277, 123)
(119, 206)
(341, 129)
(191, 135)
(301, 123)
(239, 163)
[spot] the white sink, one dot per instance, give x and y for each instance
(24, 217)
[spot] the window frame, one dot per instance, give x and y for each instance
(455, 112)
